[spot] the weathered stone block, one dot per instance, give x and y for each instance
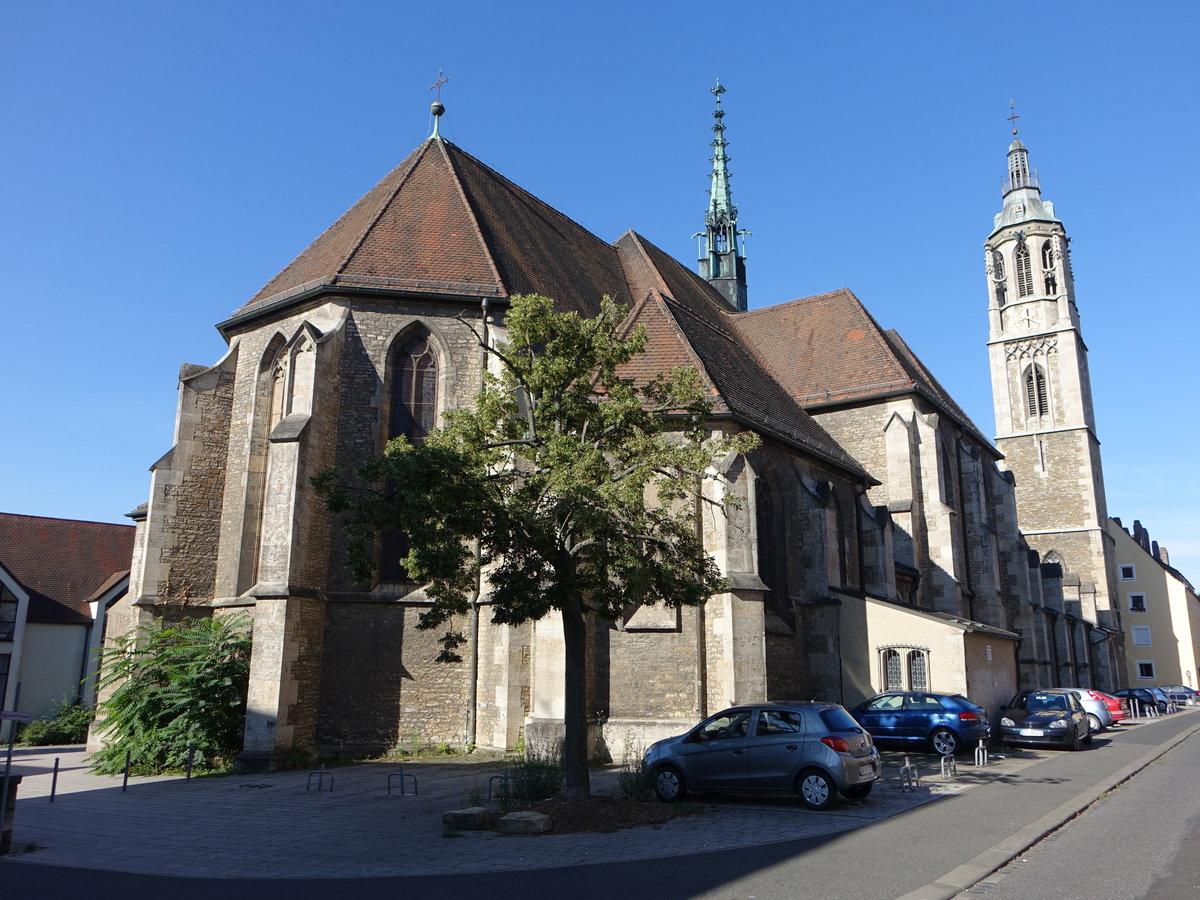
(525, 822)
(473, 818)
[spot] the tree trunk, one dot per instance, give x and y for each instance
(575, 751)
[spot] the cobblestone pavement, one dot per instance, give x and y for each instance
(272, 826)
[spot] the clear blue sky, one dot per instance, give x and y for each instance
(161, 161)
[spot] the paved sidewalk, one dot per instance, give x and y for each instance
(273, 826)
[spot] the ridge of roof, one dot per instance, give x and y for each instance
(750, 392)
(444, 223)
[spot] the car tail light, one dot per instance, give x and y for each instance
(1095, 695)
(968, 717)
(836, 743)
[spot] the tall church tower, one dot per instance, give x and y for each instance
(1045, 425)
(722, 263)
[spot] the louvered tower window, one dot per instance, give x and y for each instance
(1024, 271)
(1035, 391)
(1051, 283)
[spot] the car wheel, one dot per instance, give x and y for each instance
(669, 785)
(944, 741)
(816, 789)
(1087, 741)
(1095, 726)
(858, 792)
(1076, 741)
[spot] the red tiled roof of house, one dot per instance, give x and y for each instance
(442, 222)
(62, 563)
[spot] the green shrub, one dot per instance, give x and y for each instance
(68, 724)
(533, 776)
(175, 685)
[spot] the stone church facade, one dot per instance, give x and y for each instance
(875, 543)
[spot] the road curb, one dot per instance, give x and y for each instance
(989, 861)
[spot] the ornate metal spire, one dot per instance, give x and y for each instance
(721, 262)
(436, 108)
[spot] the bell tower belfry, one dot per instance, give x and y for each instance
(722, 261)
(1045, 424)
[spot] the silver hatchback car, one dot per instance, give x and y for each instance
(810, 748)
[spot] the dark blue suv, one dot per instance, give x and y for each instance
(947, 722)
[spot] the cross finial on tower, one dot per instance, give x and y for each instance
(436, 107)
(1012, 109)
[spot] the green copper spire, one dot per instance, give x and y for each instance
(721, 263)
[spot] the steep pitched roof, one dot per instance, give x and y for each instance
(689, 323)
(827, 350)
(62, 563)
(444, 223)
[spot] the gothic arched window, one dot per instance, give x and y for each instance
(413, 373)
(1051, 282)
(998, 277)
(413, 389)
(1036, 397)
(1024, 271)
(918, 670)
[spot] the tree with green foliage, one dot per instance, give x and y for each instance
(573, 488)
(174, 685)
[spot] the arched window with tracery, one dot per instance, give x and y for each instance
(1037, 401)
(904, 668)
(998, 278)
(1024, 271)
(412, 413)
(1048, 276)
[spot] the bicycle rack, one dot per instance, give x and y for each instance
(910, 779)
(320, 776)
(402, 775)
(981, 753)
(949, 766)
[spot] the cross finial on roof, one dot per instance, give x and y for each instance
(1012, 108)
(436, 106)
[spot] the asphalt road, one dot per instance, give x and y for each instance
(1138, 841)
(931, 852)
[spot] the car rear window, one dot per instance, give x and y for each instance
(837, 719)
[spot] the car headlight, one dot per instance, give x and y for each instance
(1060, 723)
(1007, 721)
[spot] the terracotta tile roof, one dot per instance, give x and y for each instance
(62, 562)
(828, 350)
(442, 222)
(688, 322)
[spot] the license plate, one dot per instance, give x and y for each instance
(1031, 732)
(866, 769)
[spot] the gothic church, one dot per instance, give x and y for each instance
(878, 543)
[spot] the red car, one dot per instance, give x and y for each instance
(1118, 707)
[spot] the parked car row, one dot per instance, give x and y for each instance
(817, 749)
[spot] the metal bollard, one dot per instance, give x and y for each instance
(125, 780)
(981, 753)
(403, 776)
(949, 766)
(54, 780)
(910, 779)
(191, 754)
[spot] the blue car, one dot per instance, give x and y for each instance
(947, 722)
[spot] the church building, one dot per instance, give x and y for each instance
(877, 543)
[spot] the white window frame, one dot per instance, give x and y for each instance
(1134, 608)
(1144, 630)
(1145, 662)
(1132, 572)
